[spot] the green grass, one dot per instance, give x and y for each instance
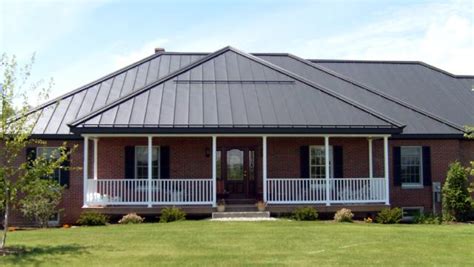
(246, 243)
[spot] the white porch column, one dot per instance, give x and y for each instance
(150, 167)
(214, 171)
(96, 147)
(85, 170)
(386, 170)
(326, 162)
(371, 166)
(264, 167)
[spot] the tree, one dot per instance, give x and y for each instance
(42, 197)
(16, 126)
(456, 197)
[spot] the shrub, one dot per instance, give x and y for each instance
(91, 218)
(427, 219)
(172, 214)
(131, 218)
(389, 216)
(305, 214)
(343, 215)
(456, 197)
(42, 197)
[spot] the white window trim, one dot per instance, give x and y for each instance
(414, 185)
(408, 218)
(55, 222)
(48, 147)
(331, 161)
(135, 160)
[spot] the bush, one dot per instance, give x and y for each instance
(389, 216)
(131, 218)
(427, 219)
(305, 214)
(456, 198)
(343, 215)
(172, 214)
(91, 218)
(42, 197)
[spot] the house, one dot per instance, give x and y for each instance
(189, 129)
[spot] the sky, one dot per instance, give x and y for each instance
(76, 42)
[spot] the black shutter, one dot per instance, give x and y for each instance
(129, 162)
(304, 162)
(164, 162)
(338, 162)
(397, 168)
(64, 177)
(426, 166)
(30, 155)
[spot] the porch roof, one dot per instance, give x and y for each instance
(234, 92)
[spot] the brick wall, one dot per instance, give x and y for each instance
(188, 159)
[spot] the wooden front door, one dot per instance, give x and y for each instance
(238, 171)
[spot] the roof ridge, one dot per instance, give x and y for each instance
(319, 87)
(378, 92)
(362, 61)
(92, 84)
(149, 86)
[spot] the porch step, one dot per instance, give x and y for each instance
(240, 214)
(240, 207)
(240, 201)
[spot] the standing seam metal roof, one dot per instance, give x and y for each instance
(235, 101)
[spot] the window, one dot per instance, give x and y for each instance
(50, 153)
(411, 166)
(409, 213)
(317, 167)
(141, 162)
(54, 220)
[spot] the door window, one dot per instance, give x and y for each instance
(235, 165)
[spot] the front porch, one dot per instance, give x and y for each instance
(283, 171)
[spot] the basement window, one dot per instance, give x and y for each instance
(410, 213)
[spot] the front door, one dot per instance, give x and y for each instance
(238, 172)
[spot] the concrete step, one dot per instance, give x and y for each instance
(241, 214)
(243, 207)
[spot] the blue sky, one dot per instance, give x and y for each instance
(78, 41)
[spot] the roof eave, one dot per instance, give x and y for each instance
(237, 130)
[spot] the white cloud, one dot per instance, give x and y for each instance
(123, 59)
(438, 34)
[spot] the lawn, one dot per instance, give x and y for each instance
(246, 243)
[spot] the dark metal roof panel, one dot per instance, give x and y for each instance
(416, 122)
(235, 98)
(415, 83)
(107, 90)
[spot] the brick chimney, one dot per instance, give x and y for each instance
(159, 50)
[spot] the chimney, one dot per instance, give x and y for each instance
(159, 50)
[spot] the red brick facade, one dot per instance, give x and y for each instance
(189, 158)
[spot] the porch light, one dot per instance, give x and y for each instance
(208, 152)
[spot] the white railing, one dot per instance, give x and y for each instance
(135, 191)
(357, 190)
(341, 190)
(182, 191)
(296, 190)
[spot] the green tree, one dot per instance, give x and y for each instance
(41, 200)
(16, 126)
(456, 197)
